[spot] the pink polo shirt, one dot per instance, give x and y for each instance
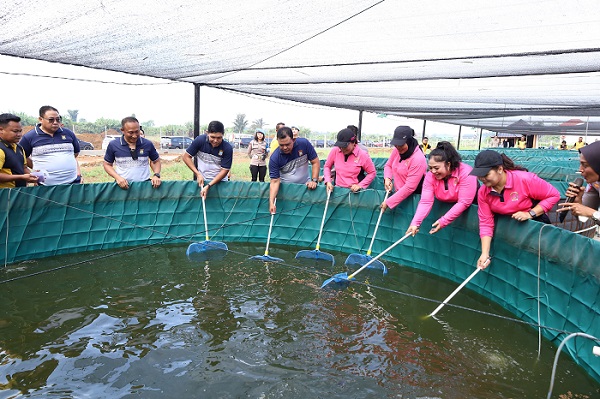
(520, 189)
(406, 175)
(346, 171)
(461, 188)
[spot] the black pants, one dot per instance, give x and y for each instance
(259, 171)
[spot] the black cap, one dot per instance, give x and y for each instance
(485, 161)
(401, 135)
(345, 137)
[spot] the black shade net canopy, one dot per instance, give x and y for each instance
(489, 64)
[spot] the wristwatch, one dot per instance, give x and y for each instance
(157, 175)
(314, 180)
(532, 213)
(596, 217)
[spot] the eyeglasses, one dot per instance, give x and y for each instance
(52, 120)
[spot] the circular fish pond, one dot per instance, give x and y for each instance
(150, 323)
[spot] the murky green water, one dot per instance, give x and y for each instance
(151, 324)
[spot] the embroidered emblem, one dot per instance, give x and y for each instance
(64, 137)
(141, 151)
(220, 153)
(300, 153)
(514, 196)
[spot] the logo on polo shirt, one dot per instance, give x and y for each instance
(300, 153)
(514, 196)
(64, 137)
(141, 151)
(220, 153)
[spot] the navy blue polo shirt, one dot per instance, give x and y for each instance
(53, 154)
(211, 159)
(123, 159)
(293, 167)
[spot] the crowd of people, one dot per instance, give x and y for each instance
(47, 155)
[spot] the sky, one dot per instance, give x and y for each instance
(167, 103)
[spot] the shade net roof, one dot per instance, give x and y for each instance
(483, 64)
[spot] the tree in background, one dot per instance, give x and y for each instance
(240, 123)
(258, 124)
(73, 114)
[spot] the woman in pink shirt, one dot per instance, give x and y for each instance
(448, 180)
(508, 190)
(349, 160)
(405, 169)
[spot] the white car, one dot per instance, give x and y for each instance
(108, 139)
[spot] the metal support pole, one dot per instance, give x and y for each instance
(458, 142)
(424, 124)
(480, 136)
(196, 118)
(360, 115)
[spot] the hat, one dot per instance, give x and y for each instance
(485, 161)
(344, 137)
(259, 130)
(591, 152)
(401, 135)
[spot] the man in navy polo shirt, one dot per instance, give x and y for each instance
(127, 157)
(215, 157)
(289, 164)
(52, 149)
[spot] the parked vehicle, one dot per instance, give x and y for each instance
(175, 142)
(85, 145)
(108, 139)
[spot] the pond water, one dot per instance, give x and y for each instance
(149, 323)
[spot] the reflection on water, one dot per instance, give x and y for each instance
(152, 324)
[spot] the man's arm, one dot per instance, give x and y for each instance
(27, 177)
(108, 167)
(155, 166)
(316, 166)
(78, 168)
(273, 190)
(220, 176)
(189, 161)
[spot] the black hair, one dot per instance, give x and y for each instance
(445, 152)
(256, 136)
(284, 132)
(215, 127)
(129, 119)
(353, 128)
(5, 118)
(47, 108)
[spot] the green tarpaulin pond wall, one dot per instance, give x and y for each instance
(39, 222)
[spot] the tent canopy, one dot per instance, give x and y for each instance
(471, 63)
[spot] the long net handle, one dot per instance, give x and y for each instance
(270, 228)
(205, 222)
(477, 270)
(323, 220)
(350, 277)
(377, 225)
